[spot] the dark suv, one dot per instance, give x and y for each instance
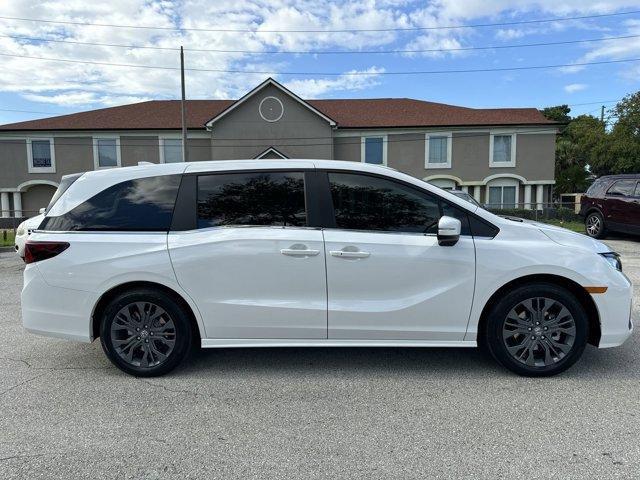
(612, 203)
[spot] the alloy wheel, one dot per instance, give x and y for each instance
(143, 334)
(539, 332)
(593, 225)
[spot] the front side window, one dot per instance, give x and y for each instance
(171, 150)
(41, 157)
(363, 202)
(373, 150)
(106, 152)
(438, 151)
(622, 188)
(502, 197)
(252, 198)
(140, 205)
(502, 149)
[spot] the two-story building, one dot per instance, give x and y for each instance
(504, 156)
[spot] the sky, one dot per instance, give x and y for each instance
(237, 38)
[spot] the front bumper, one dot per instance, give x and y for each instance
(54, 311)
(615, 308)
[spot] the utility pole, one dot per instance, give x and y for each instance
(183, 106)
(602, 114)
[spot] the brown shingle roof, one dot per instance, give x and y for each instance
(350, 113)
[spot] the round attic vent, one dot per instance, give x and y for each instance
(271, 109)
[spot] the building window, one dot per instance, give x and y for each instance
(374, 150)
(502, 150)
(438, 150)
(106, 152)
(41, 156)
(170, 150)
(502, 194)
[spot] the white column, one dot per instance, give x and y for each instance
(465, 189)
(476, 193)
(17, 204)
(527, 197)
(4, 204)
(539, 196)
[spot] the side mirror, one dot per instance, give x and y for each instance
(42, 210)
(448, 231)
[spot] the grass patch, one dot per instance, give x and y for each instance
(573, 225)
(7, 238)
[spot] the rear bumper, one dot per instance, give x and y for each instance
(54, 311)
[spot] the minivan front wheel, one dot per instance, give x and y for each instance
(145, 333)
(537, 330)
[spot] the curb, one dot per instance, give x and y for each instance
(7, 249)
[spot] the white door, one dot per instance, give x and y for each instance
(386, 278)
(252, 267)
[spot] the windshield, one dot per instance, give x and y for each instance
(65, 183)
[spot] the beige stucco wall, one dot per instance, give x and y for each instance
(72, 154)
(136, 149)
(406, 153)
(346, 148)
(199, 149)
(300, 133)
(35, 198)
(535, 157)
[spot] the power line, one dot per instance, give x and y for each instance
(349, 30)
(31, 111)
(322, 52)
(329, 74)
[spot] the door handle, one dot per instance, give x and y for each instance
(348, 254)
(295, 252)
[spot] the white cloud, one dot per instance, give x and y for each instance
(313, 88)
(70, 84)
(575, 87)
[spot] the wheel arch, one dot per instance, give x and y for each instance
(123, 287)
(592, 209)
(575, 288)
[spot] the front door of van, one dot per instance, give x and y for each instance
(387, 277)
(252, 266)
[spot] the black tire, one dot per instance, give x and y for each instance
(167, 339)
(553, 296)
(594, 225)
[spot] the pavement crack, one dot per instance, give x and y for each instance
(22, 383)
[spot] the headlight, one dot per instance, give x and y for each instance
(614, 260)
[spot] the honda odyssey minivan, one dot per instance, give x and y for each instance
(155, 259)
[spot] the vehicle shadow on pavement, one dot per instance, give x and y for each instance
(621, 362)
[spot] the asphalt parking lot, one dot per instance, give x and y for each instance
(312, 413)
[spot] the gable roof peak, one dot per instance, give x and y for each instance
(279, 86)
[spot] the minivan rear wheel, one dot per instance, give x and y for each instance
(594, 225)
(537, 330)
(145, 333)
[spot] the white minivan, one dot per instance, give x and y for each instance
(154, 259)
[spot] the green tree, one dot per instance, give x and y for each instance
(559, 113)
(575, 147)
(620, 152)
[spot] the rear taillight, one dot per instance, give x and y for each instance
(37, 251)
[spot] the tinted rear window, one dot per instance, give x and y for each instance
(597, 187)
(144, 204)
(251, 198)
